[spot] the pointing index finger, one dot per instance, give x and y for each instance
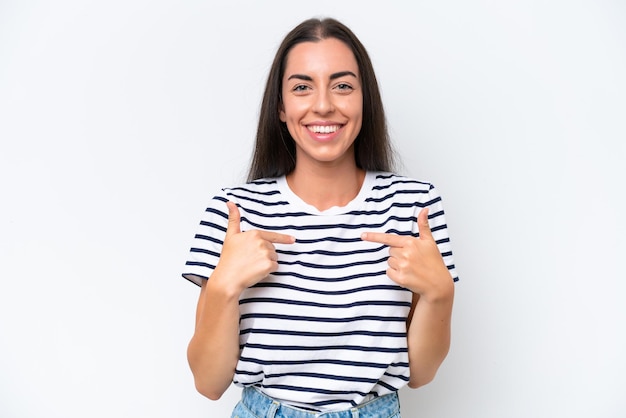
(391, 240)
(277, 238)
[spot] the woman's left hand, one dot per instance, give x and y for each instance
(415, 263)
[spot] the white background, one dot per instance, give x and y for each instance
(119, 119)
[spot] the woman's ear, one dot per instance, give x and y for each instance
(281, 113)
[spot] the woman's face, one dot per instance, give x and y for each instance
(322, 102)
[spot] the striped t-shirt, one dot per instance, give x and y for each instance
(327, 330)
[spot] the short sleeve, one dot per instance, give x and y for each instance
(207, 243)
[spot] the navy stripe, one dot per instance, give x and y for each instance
(387, 386)
(324, 348)
(335, 362)
(397, 376)
(208, 238)
(323, 376)
(201, 264)
(204, 251)
(217, 212)
(402, 233)
(328, 239)
(276, 215)
(247, 373)
(263, 181)
(351, 213)
(321, 319)
(398, 192)
(322, 334)
(220, 199)
(331, 253)
(402, 181)
(213, 225)
(328, 227)
(329, 292)
(383, 211)
(333, 266)
(328, 279)
(435, 214)
(260, 202)
(316, 390)
(251, 191)
(386, 176)
(325, 305)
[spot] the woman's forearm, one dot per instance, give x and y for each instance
(429, 336)
(213, 351)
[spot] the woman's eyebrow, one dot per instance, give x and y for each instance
(332, 76)
(300, 77)
(342, 74)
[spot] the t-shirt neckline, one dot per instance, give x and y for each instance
(295, 200)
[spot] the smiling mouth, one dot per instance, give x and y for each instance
(327, 129)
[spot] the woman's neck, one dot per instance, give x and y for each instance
(325, 188)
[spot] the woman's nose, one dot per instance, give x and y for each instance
(323, 103)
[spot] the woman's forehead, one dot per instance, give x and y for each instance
(327, 56)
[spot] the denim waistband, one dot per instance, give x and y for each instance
(263, 406)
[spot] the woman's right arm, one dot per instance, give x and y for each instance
(246, 258)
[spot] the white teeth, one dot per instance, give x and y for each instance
(324, 129)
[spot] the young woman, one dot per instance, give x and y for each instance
(326, 280)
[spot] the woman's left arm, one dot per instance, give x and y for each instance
(429, 335)
(417, 264)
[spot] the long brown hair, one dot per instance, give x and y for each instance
(274, 153)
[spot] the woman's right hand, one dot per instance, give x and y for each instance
(247, 257)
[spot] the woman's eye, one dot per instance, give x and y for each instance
(343, 87)
(300, 88)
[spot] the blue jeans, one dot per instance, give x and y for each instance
(254, 404)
